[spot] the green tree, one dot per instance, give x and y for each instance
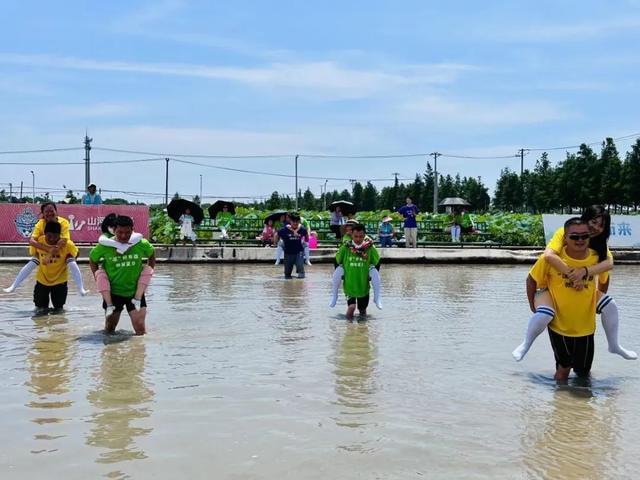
(544, 194)
(425, 202)
(357, 194)
(509, 193)
(631, 175)
(611, 192)
(308, 200)
(369, 197)
(274, 201)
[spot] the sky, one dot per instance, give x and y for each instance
(357, 78)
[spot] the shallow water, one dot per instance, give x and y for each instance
(244, 375)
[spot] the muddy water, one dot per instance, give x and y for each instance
(247, 376)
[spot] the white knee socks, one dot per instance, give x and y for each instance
(77, 276)
(307, 257)
(23, 274)
(374, 275)
(335, 284)
(537, 324)
(609, 316)
(279, 252)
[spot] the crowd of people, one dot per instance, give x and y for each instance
(565, 288)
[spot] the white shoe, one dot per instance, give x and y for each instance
(10, 289)
(84, 292)
(308, 263)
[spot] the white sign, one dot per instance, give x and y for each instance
(625, 229)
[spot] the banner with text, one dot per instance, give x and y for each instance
(625, 229)
(18, 219)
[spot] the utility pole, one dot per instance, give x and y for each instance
(166, 182)
(21, 183)
(87, 159)
(33, 186)
(296, 162)
(324, 197)
(435, 156)
(200, 197)
(521, 152)
(10, 191)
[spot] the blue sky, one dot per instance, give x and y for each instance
(336, 78)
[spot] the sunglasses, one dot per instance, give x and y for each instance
(579, 236)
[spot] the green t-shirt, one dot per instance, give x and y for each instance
(305, 223)
(123, 270)
(224, 219)
(466, 220)
(356, 269)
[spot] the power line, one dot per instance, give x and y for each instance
(569, 147)
(104, 162)
(184, 155)
(281, 175)
(44, 150)
(274, 156)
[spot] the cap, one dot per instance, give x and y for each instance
(91, 185)
(387, 219)
(352, 221)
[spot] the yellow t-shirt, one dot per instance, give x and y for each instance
(557, 242)
(53, 268)
(38, 230)
(575, 310)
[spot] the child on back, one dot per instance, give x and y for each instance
(293, 237)
(338, 273)
(358, 257)
(53, 272)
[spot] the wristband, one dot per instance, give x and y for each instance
(586, 275)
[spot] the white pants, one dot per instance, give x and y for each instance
(411, 237)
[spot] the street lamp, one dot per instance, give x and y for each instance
(33, 186)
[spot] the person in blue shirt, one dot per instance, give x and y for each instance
(91, 197)
(409, 212)
(293, 238)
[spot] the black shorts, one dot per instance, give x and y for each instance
(362, 302)
(58, 294)
(121, 302)
(573, 352)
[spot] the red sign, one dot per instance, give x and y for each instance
(18, 219)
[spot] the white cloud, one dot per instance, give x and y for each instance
(96, 110)
(323, 78)
(147, 15)
(440, 111)
(574, 31)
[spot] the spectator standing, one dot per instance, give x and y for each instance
(91, 197)
(409, 212)
(336, 222)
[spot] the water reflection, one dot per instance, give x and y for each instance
(121, 397)
(355, 367)
(576, 438)
(50, 374)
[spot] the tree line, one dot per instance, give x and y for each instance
(582, 178)
(367, 197)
